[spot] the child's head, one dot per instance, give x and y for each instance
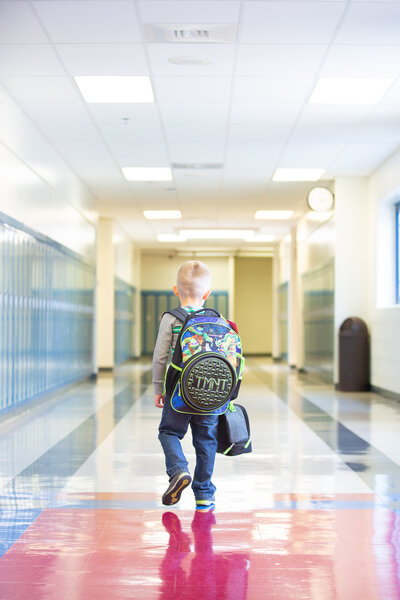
(193, 281)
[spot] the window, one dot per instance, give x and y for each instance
(398, 253)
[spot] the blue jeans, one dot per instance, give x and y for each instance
(173, 427)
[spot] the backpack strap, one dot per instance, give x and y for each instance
(179, 313)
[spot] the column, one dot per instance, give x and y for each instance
(105, 294)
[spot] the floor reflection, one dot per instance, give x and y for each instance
(193, 569)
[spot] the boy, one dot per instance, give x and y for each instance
(193, 288)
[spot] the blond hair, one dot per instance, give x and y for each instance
(193, 279)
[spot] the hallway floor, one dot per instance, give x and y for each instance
(312, 513)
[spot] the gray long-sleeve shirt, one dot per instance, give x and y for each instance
(168, 333)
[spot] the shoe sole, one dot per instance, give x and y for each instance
(173, 494)
(205, 507)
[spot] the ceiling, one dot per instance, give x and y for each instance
(245, 112)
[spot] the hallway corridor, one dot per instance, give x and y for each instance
(313, 512)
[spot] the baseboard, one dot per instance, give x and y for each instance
(385, 393)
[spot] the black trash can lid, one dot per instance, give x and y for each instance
(354, 327)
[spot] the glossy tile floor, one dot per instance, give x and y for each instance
(312, 513)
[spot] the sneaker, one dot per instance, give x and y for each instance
(205, 505)
(177, 484)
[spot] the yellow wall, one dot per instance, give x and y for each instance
(253, 303)
(159, 271)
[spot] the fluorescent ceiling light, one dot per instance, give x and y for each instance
(260, 238)
(349, 90)
(216, 234)
(147, 173)
(298, 174)
(99, 89)
(162, 214)
(273, 215)
(170, 237)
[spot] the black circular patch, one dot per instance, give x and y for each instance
(208, 381)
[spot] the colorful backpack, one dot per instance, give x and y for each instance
(207, 364)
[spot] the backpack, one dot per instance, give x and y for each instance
(234, 431)
(207, 363)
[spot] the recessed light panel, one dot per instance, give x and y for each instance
(170, 237)
(260, 238)
(298, 174)
(114, 89)
(162, 214)
(147, 173)
(273, 215)
(349, 90)
(216, 234)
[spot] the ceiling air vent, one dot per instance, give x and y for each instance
(197, 166)
(209, 34)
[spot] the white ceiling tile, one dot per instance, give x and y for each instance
(192, 89)
(362, 61)
(103, 59)
(139, 154)
(196, 153)
(195, 132)
(201, 185)
(185, 176)
(42, 89)
(310, 154)
(89, 21)
(116, 113)
(83, 149)
(388, 114)
(103, 165)
(247, 163)
(134, 132)
(259, 132)
(322, 132)
(330, 113)
(370, 23)
(67, 121)
(290, 22)
(252, 177)
(172, 112)
(378, 133)
(31, 60)
(272, 90)
(204, 12)
(360, 158)
(392, 96)
(279, 60)
(127, 122)
(261, 113)
(250, 151)
(221, 55)
(19, 24)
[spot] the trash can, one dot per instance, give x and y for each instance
(353, 356)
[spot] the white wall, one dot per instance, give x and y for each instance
(105, 294)
(37, 188)
(124, 255)
(384, 317)
(351, 256)
(159, 271)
